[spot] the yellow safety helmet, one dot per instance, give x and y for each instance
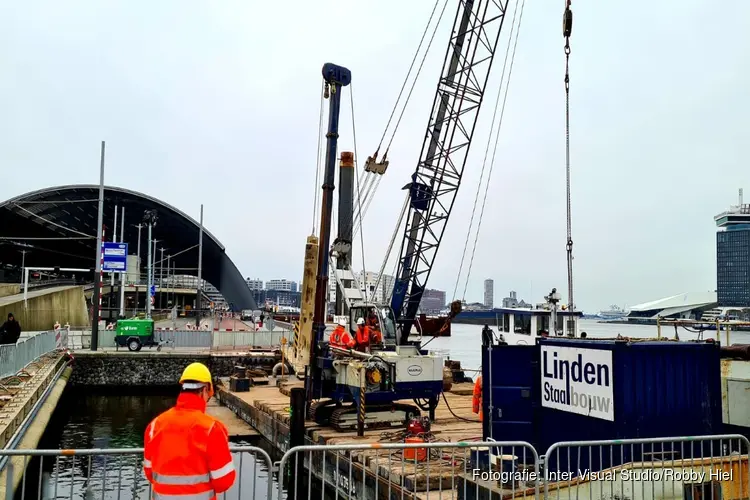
(195, 375)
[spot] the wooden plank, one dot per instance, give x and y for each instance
(236, 427)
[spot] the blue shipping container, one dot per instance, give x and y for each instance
(572, 389)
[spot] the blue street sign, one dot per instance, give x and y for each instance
(115, 257)
(152, 290)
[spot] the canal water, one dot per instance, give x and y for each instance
(115, 419)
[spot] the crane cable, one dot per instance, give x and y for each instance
(390, 248)
(371, 192)
(368, 201)
(419, 71)
(411, 67)
(356, 178)
(318, 161)
(494, 151)
(567, 29)
(489, 140)
(486, 153)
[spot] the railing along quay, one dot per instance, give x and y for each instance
(14, 357)
(695, 467)
(186, 339)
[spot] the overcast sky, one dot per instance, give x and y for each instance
(217, 102)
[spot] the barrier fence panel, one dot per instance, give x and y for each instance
(81, 339)
(113, 474)
(184, 338)
(189, 339)
(13, 357)
(261, 338)
(693, 468)
(410, 470)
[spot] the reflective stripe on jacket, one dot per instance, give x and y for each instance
(186, 453)
(476, 400)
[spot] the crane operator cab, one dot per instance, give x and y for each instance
(379, 319)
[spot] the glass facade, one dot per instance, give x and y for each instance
(733, 266)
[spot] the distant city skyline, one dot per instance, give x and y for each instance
(489, 293)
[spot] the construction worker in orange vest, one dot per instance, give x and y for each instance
(364, 333)
(376, 337)
(340, 337)
(186, 452)
(476, 400)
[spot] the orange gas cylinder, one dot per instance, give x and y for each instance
(418, 454)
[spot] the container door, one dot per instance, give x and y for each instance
(509, 383)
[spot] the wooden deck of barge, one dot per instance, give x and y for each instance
(266, 408)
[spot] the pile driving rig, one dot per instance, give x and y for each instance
(346, 388)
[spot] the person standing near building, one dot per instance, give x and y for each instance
(10, 332)
(186, 452)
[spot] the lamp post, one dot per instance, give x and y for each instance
(149, 219)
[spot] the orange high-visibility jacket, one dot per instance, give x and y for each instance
(376, 337)
(476, 400)
(363, 336)
(335, 337)
(186, 453)
(341, 338)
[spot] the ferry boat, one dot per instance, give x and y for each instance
(614, 312)
(523, 325)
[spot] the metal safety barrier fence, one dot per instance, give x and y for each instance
(693, 468)
(409, 470)
(261, 338)
(187, 339)
(115, 474)
(14, 357)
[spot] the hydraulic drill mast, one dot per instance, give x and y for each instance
(445, 149)
(336, 77)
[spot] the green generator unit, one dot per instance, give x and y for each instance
(135, 333)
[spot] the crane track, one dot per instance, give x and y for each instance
(399, 415)
(320, 411)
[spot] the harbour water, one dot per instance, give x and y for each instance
(85, 419)
(465, 341)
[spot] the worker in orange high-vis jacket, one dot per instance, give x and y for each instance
(364, 333)
(476, 400)
(340, 337)
(186, 452)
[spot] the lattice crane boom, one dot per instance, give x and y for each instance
(435, 182)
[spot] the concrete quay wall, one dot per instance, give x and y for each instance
(9, 289)
(158, 368)
(45, 307)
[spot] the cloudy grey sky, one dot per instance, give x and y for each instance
(217, 102)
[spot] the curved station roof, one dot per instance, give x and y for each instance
(57, 226)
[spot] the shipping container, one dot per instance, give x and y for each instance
(573, 389)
